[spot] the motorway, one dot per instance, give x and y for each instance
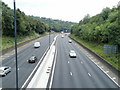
(24, 68)
(78, 72)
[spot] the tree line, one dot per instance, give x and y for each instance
(28, 24)
(101, 28)
(55, 24)
(25, 24)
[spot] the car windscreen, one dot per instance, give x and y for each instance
(32, 58)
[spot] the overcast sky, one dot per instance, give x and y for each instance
(67, 10)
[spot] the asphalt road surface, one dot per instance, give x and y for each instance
(77, 72)
(24, 68)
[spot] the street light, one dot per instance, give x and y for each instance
(49, 39)
(15, 34)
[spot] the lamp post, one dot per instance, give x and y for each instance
(49, 39)
(15, 37)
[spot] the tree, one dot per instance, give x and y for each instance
(105, 13)
(7, 20)
(101, 28)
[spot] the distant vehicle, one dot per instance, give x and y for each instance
(62, 36)
(37, 44)
(72, 54)
(70, 41)
(65, 34)
(4, 70)
(62, 32)
(32, 59)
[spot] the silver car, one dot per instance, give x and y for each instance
(72, 54)
(37, 44)
(4, 70)
(70, 41)
(62, 36)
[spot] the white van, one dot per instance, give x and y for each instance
(36, 44)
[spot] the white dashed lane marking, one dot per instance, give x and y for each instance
(81, 62)
(68, 62)
(89, 74)
(98, 64)
(71, 73)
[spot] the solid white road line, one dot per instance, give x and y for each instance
(106, 74)
(55, 57)
(53, 70)
(40, 78)
(34, 69)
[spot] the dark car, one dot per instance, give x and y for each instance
(32, 59)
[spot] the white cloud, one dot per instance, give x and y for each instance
(69, 10)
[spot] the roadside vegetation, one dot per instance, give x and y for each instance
(113, 59)
(28, 27)
(8, 41)
(55, 24)
(97, 31)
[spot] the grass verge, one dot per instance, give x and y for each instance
(8, 42)
(113, 59)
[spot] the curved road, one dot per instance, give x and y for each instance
(77, 72)
(24, 68)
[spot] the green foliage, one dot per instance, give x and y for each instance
(7, 20)
(113, 59)
(55, 25)
(25, 24)
(8, 41)
(105, 13)
(28, 27)
(102, 28)
(0, 16)
(28, 24)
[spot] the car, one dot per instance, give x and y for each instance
(70, 41)
(72, 54)
(62, 36)
(62, 32)
(36, 44)
(32, 59)
(4, 70)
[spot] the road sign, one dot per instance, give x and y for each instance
(110, 48)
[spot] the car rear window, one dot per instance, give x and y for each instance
(32, 58)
